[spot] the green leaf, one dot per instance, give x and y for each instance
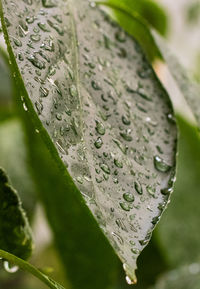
(31, 269)
(101, 110)
(183, 214)
(15, 233)
(181, 278)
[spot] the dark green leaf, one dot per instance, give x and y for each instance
(31, 269)
(15, 234)
(182, 221)
(99, 102)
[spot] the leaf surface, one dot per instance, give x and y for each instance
(125, 13)
(15, 233)
(94, 95)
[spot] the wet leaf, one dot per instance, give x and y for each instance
(15, 233)
(183, 215)
(155, 46)
(101, 110)
(12, 259)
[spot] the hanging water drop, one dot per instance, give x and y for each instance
(9, 268)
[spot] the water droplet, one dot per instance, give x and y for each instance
(9, 268)
(73, 91)
(98, 143)
(44, 27)
(35, 37)
(17, 42)
(105, 168)
(126, 120)
(126, 136)
(118, 163)
(36, 62)
(138, 188)
(49, 3)
(129, 197)
(125, 206)
(44, 91)
(100, 128)
(160, 165)
(95, 85)
(166, 191)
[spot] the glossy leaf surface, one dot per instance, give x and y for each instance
(98, 101)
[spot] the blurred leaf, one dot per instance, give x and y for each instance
(15, 233)
(179, 230)
(14, 158)
(31, 269)
(94, 142)
(183, 278)
(193, 12)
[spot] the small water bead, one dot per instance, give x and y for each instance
(44, 92)
(20, 56)
(166, 191)
(73, 91)
(135, 251)
(100, 128)
(49, 3)
(138, 188)
(155, 220)
(160, 165)
(36, 62)
(56, 27)
(126, 206)
(17, 42)
(95, 85)
(126, 120)
(129, 197)
(126, 136)
(118, 163)
(9, 268)
(105, 168)
(39, 107)
(98, 143)
(35, 37)
(44, 27)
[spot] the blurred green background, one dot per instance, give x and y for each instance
(172, 259)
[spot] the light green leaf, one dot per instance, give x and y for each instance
(31, 269)
(15, 233)
(101, 110)
(183, 215)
